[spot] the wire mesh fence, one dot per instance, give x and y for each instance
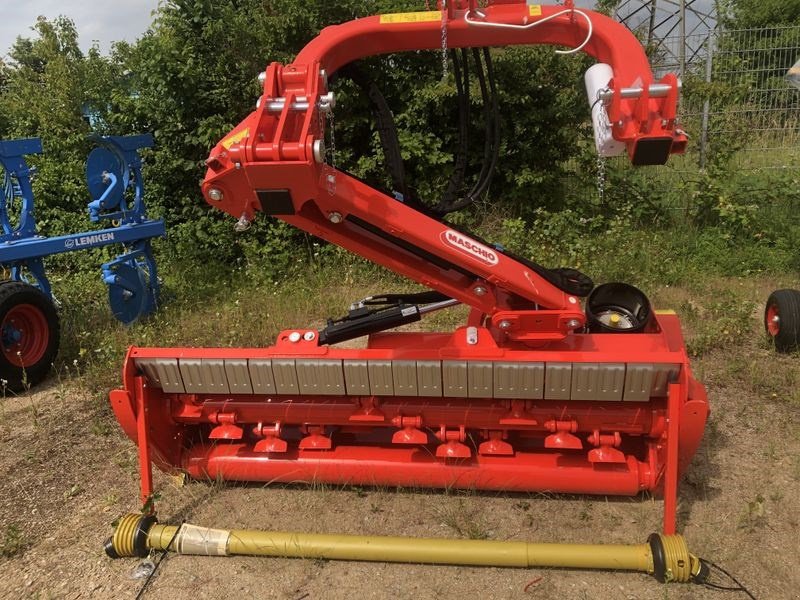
(738, 108)
(736, 101)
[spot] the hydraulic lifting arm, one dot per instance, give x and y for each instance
(274, 160)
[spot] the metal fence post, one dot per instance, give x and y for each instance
(706, 102)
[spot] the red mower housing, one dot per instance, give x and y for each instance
(522, 397)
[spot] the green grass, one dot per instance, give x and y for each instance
(12, 541)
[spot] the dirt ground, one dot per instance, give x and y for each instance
(67, 472)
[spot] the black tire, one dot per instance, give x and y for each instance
(782, 319)
(29, 335)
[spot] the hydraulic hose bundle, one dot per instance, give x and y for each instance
(455, 197)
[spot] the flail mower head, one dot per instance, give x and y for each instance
(532, 393)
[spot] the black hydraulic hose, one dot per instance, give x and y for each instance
(496, 135)
(448, 205)
(385, 125)
(492, 143)
(487, 115)
(387, 131)
(456, 183)
(492, 134)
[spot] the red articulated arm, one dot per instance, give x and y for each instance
(273, 161)
(522, 397)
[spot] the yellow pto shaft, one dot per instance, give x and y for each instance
(664, 556)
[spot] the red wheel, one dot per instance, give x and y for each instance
(25, 335)
(29, 335)
(782, 319)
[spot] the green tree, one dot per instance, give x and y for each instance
(45, 90)
(3, 82)
(743, 14)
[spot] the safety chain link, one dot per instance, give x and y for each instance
(330, 177)
(601, 178)
(329, 157)
(444, 41)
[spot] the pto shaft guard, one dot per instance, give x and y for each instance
(667, 558)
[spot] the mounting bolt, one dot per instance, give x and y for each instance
(319, 151)
(309, 336)
(327, 102)
(335, 217)
(243, 224)
(480, 291)
(573, 324)
(262, 77)
(294, 337)
(504, 324)
(215, 194)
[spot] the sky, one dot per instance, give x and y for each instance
(104, 21)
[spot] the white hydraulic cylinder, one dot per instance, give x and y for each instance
(596, 79)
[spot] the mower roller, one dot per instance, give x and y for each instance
(533, 393)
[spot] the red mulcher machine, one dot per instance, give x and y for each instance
(532, 394)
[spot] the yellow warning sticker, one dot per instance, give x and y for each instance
(412, 17)
(535, 10)
(235, 138)
(665, 312)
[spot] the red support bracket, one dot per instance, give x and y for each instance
(562, 437)
(226, 428)
(671, 469)
(606, 448)
(316, 439)
(452, 445)
(496, 444)
(410, 432)
(270, 439)
(142, 431)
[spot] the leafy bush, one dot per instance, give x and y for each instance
(191, 78)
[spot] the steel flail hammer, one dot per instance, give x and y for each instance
(666, 557)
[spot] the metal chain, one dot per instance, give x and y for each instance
(444, 41)
(601, 178)
(330, 177)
